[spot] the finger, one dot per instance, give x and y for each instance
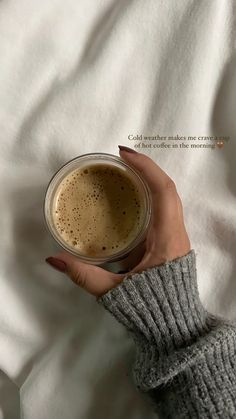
(156, 178)
(95, 280)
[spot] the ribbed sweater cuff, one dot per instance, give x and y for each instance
(161, 303)
(161, 308)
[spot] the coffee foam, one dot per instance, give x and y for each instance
(97, 210)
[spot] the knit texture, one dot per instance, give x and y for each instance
(185, 357)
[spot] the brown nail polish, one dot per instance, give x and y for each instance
(56, 263)
(124, 148)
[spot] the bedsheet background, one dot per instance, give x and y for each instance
(79, 77)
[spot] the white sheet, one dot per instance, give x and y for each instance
(78, 77)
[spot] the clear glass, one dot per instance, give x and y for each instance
(89, 159)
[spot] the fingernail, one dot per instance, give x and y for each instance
(124, 148)
(56, 263)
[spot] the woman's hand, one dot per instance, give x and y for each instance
(166, 239)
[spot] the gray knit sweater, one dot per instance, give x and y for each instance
(185, 357)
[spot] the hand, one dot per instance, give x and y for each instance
(166, 239)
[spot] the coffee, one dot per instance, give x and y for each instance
(97, 210)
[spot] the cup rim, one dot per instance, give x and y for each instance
(137, 240)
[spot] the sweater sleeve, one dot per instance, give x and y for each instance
(185, 357)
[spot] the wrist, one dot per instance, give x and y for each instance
(161, 303)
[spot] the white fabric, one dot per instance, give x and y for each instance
(78, 77)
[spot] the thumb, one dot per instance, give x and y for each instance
(97, 281)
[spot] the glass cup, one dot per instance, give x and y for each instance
(123, 260)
